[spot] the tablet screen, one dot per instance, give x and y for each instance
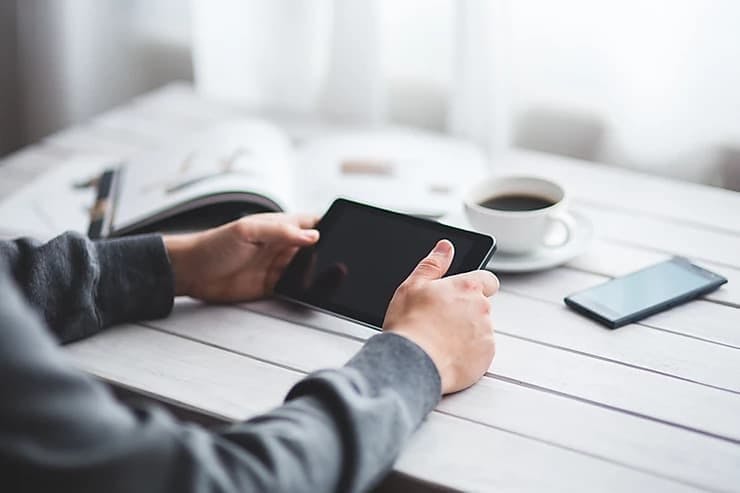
(364, 253)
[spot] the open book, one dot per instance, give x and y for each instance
(244, 166)
(231, 170)
(248, 166)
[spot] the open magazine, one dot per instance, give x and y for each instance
(231, 170)
(244, 166)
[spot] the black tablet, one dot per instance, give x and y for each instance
(364, 253)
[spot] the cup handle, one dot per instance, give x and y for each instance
(568, 224)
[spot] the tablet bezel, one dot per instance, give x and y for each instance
(483, 248)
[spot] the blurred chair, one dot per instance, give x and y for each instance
(729, 167)
(560, 131)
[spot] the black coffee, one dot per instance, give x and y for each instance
(516, 202)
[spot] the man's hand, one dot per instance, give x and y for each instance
(448, 318)
(241, 260)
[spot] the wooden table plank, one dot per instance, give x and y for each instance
(225, 384)
(701, 319)
(625, 190)
(621, 438)
(29, 162)
(310, 318)
(612, 435)
(87, 139)
(182, 100)
(157, 126)
(62, 207)
(600, 381)
(234, 387)
(681, 357)
(476, 458)
(9, 183)
(672, 238)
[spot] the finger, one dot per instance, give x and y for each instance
(329, 281)
(277, 267)
(305, 221)
(307, 266)
(282, 260)
(436, 264)
(276, 232)
(482, 280)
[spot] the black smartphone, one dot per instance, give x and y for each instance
(363, 255)
(643, 293)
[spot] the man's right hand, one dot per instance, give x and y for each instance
(448, 318)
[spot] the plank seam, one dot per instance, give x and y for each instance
(223, 348)
(622, 363)
(581, 452)
(522, 383)
(463, 418)
(662, 217)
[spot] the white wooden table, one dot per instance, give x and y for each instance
(567, 405)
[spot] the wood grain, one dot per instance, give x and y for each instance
(686, 240)
(578, 375)
(657, 351)
(232, 386)
(612, 434)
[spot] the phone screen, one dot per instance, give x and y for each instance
(363, 255)
(652, 288)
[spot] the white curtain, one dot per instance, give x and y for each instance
(77, 58)
(344, 59)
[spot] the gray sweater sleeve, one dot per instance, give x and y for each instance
(60, 430)
(80, 287)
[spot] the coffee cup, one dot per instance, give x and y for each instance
(519, 211)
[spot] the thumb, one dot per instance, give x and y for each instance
(435, 265)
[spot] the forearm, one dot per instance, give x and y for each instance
(340, 430)
(80, 287)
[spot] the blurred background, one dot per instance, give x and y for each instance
(645, 85)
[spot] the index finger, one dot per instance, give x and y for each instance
(305, 220)
(265, 230)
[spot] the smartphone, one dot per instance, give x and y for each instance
(364, 253)
(643, 293)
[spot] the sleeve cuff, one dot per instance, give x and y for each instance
(391, 361)
(136, 281)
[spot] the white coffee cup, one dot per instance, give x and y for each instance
(518, 231)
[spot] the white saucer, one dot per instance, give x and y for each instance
(542, 258)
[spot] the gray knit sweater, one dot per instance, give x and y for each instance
(61, 430)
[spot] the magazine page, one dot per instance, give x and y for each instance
(412, 171)
(232, 159)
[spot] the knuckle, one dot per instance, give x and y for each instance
(485, 306)
(430, 263)
(242, 227)
(468, 284)
(403, 288)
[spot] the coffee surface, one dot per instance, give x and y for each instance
(516, 202)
